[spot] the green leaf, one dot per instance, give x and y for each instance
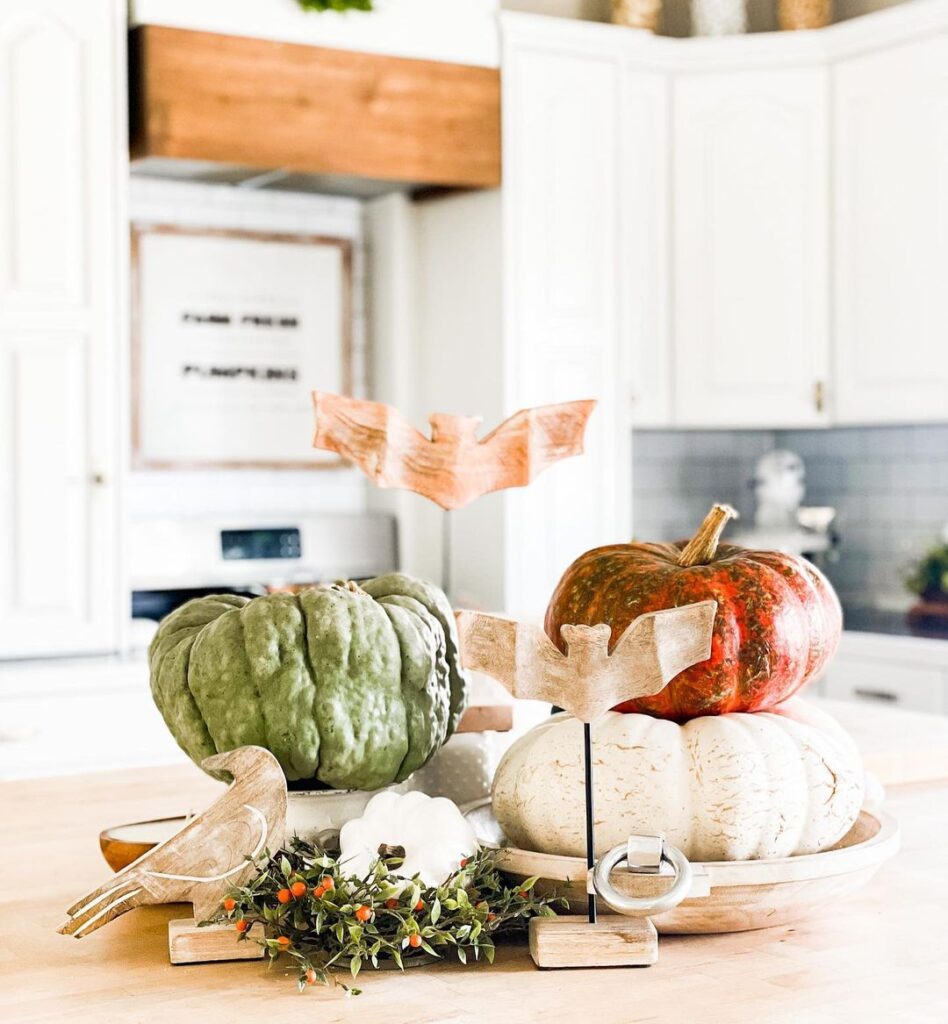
(435, 911)
(355, 965)
(462, 956)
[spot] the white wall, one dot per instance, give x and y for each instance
(158, 493)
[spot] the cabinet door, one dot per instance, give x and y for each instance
(891, 199)
(750, 248)
(561, 225)
(60, 302)
(645, 347)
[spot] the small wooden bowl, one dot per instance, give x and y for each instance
(124, 844)
(727, 896)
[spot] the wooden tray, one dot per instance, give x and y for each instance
(727, 896)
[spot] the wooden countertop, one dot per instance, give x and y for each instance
(878, 955)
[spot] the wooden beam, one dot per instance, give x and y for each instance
(263, 104)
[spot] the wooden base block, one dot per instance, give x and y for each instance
(613, 941)
(188, 944)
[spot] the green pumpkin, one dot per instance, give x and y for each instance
(352, 687)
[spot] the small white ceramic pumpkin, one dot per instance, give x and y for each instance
(727, 787)
(435, 835)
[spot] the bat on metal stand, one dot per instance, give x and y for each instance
(587, 681)
(452, 467)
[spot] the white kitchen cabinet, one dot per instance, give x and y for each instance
(750, 242)
(890, 671)
(891, 221)
(62, 312)
(63, 716)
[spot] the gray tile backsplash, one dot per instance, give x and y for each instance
(889, 485)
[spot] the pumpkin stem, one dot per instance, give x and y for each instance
(703, 546)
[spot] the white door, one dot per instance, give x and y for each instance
(60, 293)
(751, 312)
(561, 230)
(891, 198)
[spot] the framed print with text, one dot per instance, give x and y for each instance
(231, 331)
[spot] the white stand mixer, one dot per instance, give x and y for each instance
(781, 521)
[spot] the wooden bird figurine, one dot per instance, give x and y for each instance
(208, 856)
(589, 679)
(452, 467)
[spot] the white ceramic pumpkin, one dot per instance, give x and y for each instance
(727, 787)
(434, 833)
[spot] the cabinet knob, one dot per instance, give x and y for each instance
(98, 480)
(819, 395)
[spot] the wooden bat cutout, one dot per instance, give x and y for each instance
(452, 467)
(208, 856)
(588, 680)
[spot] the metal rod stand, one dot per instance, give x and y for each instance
(590, 846)
(446, 553)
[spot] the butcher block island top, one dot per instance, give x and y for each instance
(877, 955)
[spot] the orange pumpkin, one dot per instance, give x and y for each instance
(778, 621)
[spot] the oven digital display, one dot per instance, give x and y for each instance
(277, 542)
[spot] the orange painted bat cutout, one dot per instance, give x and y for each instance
(452, 467)
(588, 680)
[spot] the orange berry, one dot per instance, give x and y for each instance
(491, 916)
(363, 913)
(284, 896)
(311, 977)
(298, 889)
(229, 904)
(319, 892)
(284, 941)
(327, 883)
(523, 894)
(414, 940)
(391, 904)
(464, 862)
(242, 926)
(420, 905)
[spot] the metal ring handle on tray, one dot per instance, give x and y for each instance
(642, 906)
